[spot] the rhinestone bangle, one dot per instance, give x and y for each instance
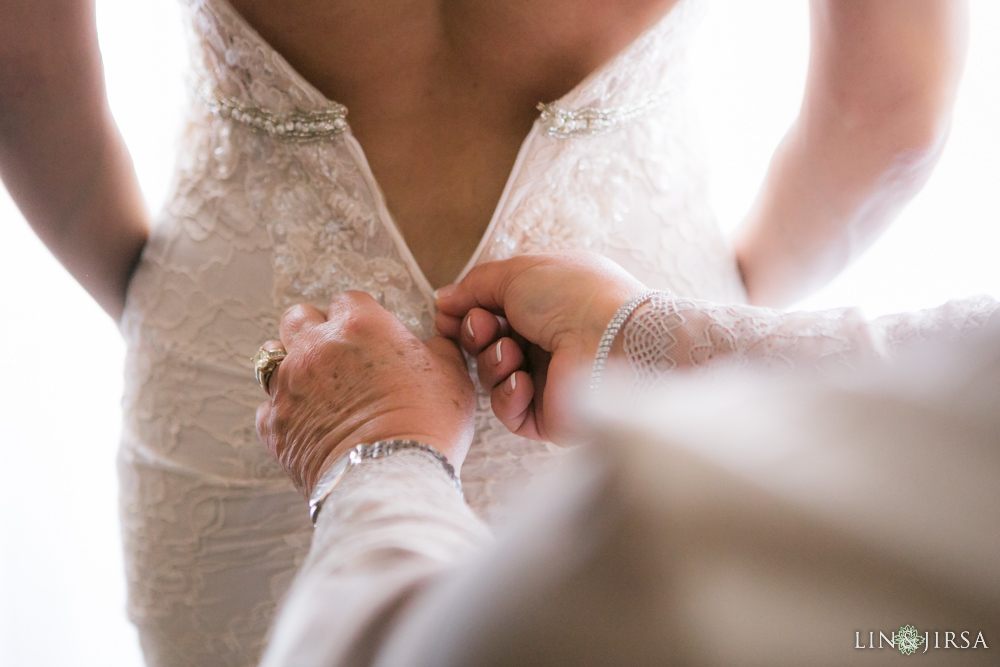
(356, 455)
(611, 332)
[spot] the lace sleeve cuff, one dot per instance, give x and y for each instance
(668, 332)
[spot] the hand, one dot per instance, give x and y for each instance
(354, 375)
(554, 310)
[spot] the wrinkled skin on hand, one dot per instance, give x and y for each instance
(356, 375)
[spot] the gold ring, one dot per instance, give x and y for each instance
(265, 362)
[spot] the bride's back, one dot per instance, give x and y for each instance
(275, 204)
(442, 94)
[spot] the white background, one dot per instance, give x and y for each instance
(61, 582)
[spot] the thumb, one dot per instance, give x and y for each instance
(448, 351)
(485, 286)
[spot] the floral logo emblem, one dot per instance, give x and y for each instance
(908, 640)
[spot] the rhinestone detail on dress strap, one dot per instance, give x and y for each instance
(589, 121)
(294, 126)
(558, 122)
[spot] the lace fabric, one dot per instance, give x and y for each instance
(668, 333)
(259, 221)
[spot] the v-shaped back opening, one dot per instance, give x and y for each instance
(573, 99)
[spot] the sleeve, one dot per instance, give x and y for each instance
(710, 523)
(386, 531)
(668, 332)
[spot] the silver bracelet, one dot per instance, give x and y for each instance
(356, 455)
(611, 332)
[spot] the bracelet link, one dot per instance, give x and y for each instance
(375, 450)
(611, 332)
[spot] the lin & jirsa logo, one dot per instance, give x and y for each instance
(908, 640)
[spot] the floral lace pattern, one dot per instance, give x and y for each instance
(259, 221)
(667, 333)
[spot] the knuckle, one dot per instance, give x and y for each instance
(352, 324)
(339, 299)
(368, 324)
(354, 312)
(295, 313)
(359, 298)
(352, 300)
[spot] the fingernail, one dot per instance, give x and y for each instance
(444, 292)
(513, 381)
(499, 353)
(468, 325)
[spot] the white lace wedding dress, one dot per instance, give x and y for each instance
(274, 204)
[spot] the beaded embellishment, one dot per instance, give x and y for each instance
(558, 122)
(295, 126)
(590, 121)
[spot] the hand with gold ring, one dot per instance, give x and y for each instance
(266, 361)
(355, 374)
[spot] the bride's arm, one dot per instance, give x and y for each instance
(668, 332)
(880, 87)
(558, 305)
(61, 156)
